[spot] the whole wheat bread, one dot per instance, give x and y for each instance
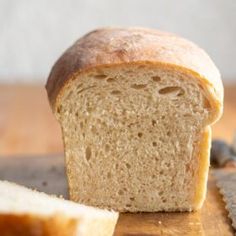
(24, 212)
(135, 107)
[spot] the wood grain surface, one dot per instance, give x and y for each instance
(28, 128)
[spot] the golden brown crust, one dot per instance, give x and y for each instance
(123, 46)
(204, 163)
(29, 225)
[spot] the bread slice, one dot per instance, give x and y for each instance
(135, 106)
(24, 212)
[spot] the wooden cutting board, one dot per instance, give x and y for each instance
(47, 174)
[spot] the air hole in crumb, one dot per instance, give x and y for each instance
(187, 167)
(100, 76)
(84, 89)
(69, 95)
(115, 92)
(161, 193)
(154, 144)
(163, 117)
(59, 109)
(79, 85)
(161, 172)
(120, 192)
(168, 165)
(89, 109)
(138, 86)
(180, 93)
(187, 115)
(168, 133)
(88, 153)
(171, 90)
(116, 166)
(128, 205)
(162, 139)
(153, 176)
(123, 112)
(131, 198)
(128, 165)
(154, 122)
(140, 135)
(163, 200)
(156, 78)
(93, 129)
(110, 79)
(109, 175)
(107, 147)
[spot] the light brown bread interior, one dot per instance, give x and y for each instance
(135, 106)
(137, 137)
(24, 212)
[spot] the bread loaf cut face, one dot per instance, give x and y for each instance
(24, 212)
(135, 107)
(133, 139)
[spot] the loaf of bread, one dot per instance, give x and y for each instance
(135, 106)
(24, 212)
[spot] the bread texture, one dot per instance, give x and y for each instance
(135, 107)
(24, 212)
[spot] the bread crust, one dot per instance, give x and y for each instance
(203, 154)
(109, 47)
(30, 225)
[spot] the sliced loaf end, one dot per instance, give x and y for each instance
(24, 212)
(137, 137)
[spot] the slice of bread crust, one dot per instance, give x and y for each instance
(24, 212)
(135, 106)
